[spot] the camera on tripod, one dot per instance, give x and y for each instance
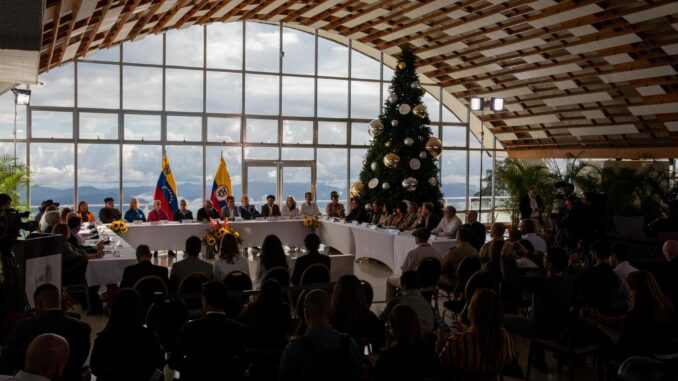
(18, 215)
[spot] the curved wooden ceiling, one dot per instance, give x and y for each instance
(586, 76)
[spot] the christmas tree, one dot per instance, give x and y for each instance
(400, 163)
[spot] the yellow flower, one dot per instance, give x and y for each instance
(124, 229)
(115, 225)
(211, 241)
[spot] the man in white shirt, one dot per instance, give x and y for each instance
(449, 225)
(309, 208)
(622, 268)
(412, 260)
(46, 359)
(528, 228)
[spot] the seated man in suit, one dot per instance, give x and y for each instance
(247, 211)
(135, 272)
(49, 319)
(270, 208)
(230, 211)
(191, 263)
(212, 347)
(427, 220)
(374, 215)
(46, 358)
(207, 212)
(183, 213)
(109, 212)
(312, 243)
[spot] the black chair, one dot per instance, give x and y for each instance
(479, 280)
(148, 286)
(467, 267)
(280, 274)
(645, 369)
(190, 290)
(369, 292)
(166, 317)
(238, 281)
(315, 274)
(429, 270)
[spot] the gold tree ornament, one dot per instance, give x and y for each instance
(391, 160)
(402, 65)
(373, 183)
(388, 144)
(357, 189)
(404, 109)
(393, 98)
(410, 184)
(419, 110)
(434, 147)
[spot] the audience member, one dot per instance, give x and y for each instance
(191, 263)
(50, 219)
(413, 259)
(449, 225)
(84, 213)
(427, 220)
(212, 347)
(524, 254)
(268, 324)
(490, 250)
(374, 215)
(247, 211)
(272, 255)
(477, 229)
(290, 208)
(308, 207)
(77, 242)
(183, 213)
(134, 213)
(45, 359)
(484, 349)
(207, 212)
(64, 213)
(143, 268)
(357, 212)
(669, 275)
(410, 219)
(312, 243)
(531, 206)
(230, 258)
(528, 230)
(351, 315)
(407, 357)
(125, 349)
(514, 235)
(597, 286)
(49, 319)
(109, 212)
(270, 208)
(335, 209)
(230, 211)
(451, 260)
(157, 214)
(44, 207)
(622, 268)
(321, 350)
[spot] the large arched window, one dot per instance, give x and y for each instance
(261, 95)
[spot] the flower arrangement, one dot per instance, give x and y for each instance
(311, 223)
(119, 227)
(216, 231)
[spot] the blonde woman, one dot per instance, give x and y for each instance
(290, 209)
(134, 213)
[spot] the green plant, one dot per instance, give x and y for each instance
(14, 176)
(585, 176)
(516, 176)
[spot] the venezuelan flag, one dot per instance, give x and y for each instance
(221, 188)
(166, 189)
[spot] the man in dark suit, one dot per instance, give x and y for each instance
(531, 205)
(191, 263)
(427, 220)
(478, 233)
(207, 212)
(135, 272)
(270, 208)
(49, 319)
(109, 212)
(597, 286)
(312, 243)
(212, 347)
(374, 215)
(183, 213)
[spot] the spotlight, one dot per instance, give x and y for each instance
(477, 104)
(23, 97)
(497, 104)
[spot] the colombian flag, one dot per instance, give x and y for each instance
(166, 189)
(221, 188)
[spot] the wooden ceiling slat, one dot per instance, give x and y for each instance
(130, 7)
(93, 28)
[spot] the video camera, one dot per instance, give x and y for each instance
(12, 222)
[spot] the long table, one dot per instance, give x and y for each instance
(117, 255)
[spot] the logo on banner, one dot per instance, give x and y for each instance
(222, 193)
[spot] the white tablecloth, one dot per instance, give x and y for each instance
(337, 235)
(377, 244)
(109, 269)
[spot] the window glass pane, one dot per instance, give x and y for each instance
(448, 116)
(357, 158)
(148, 50)
(224, 45)
(363, 66)
(52, 124)
(57, 89)
(141, 165)
(224, 92)
(110, 54)
(388, 73)
(142, 127)
(474, 142)
(297, 132)
(332, 98)
(98, 126)
(297, 96)
(98, 173)
(183, 90)
(261, 181)
(7, 106)
(453, 176)
(262, 47)
(186, 163)
(142, 88)
(332, 133)
(233, 158)
(365, 102)
(261, 94)
(225, 130)
(475, 175)
(331, 174)
(261, 153)
(293, 153)
(360, 134)
(261, 131)
(8, 148)
(454, 136)
(185, 47)
(432, 106)
(332, 59)
(52, 172)
(299, 49)
(98, 85)
(184, 128)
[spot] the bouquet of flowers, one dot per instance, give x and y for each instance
(216, 231)
(311, 223)
(119, 227)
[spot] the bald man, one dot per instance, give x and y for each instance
(46, 359)
(669, 276)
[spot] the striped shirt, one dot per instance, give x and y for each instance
(462, 358)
